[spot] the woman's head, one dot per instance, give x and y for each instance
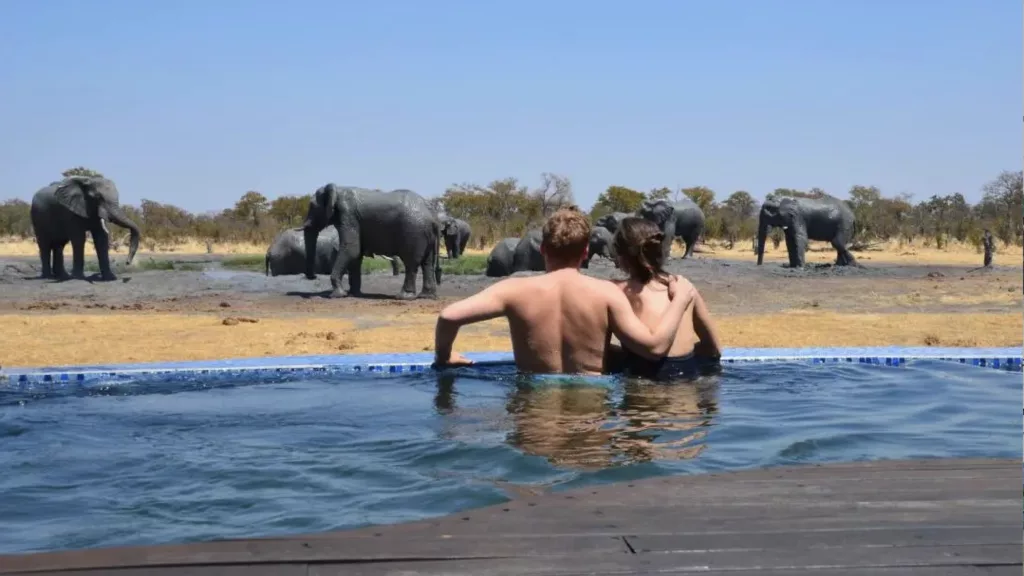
(638, 249)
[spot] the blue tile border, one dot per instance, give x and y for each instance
(62, 377)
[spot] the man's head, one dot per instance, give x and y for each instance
(566, 236)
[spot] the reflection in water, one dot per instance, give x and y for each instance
(592, 426)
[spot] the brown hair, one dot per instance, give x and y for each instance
(638, 246)
(566, 235)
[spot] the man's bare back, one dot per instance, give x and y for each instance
(554, 319)
(562, 322)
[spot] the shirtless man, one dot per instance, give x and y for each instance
(562, 321)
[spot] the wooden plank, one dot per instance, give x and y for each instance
(200, 570)
(303, 550)
(809, 561)
(864, 539)
(873, 509)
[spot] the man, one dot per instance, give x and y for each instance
(562, 321)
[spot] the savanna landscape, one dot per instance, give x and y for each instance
(197, 288)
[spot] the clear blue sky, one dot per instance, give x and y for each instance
(194, 102)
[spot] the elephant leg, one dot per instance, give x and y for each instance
(101, 241)
(843, 255)
(58, 269)
(78, 255)
(355, 276)
(409, 285)
(796, 246)
(394, 266)
(690, 243)
(44, 260)
(349, 259)
(430, 278)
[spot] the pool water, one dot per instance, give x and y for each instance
(177, 463)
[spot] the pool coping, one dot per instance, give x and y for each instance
(1009, 358)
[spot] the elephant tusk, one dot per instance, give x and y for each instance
(103, 224)
(785, 227)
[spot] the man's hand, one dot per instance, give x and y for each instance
(454, 360)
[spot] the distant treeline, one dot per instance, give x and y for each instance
(506, 208)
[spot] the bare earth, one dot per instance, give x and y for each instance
(220, 313)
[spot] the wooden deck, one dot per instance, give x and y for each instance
(930, 517)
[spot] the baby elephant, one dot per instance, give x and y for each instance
(456, 236)
(287, 253)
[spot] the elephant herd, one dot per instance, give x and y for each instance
(344, 224)
(682, 219)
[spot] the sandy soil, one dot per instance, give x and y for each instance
(217, 313)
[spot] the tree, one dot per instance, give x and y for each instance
(81, 171)
(554, 193)
(736, 217)
(659, 193)
(251, 206)
(620, 199)
(15, 219)
(289, 210)
(702, 196)
(1001, 205)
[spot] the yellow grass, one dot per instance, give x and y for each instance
(955, 253)
(29, 339)
(819, 252)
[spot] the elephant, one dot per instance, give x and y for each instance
(602, 243)
(65, 210)
(456, 236)
(611, 221)
(287, 253)
(684, 219)
(399, 224)
(801, 219)
(500, 260)
(527, 255)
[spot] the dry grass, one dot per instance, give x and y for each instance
(819, 252)
(891, 253)
(28, 339)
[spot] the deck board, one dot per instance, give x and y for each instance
(895, 518)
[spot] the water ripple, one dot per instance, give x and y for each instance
(178, 463)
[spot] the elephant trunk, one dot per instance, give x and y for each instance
(118, 217)
(762, 236)
(311, 235)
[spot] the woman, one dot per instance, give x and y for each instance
(639, 253)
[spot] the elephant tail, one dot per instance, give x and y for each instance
(266, 264)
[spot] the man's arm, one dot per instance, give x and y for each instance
(710, 345)
(484, 305)
(635, 335)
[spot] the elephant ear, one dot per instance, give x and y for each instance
(71, 194)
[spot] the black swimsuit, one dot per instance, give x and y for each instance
(633, 364)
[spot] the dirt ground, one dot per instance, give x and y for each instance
(217, 313)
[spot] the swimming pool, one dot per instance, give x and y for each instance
(131, 458)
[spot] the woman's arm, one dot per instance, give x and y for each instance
(710, 345)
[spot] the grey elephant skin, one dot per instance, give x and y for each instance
(501, 259)
(611, 221)
(825, 219)
(456, 234)
(399, 224)
(287, 253)
(601, 244)
(527, 256)
(64, 211)
(683, 219)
